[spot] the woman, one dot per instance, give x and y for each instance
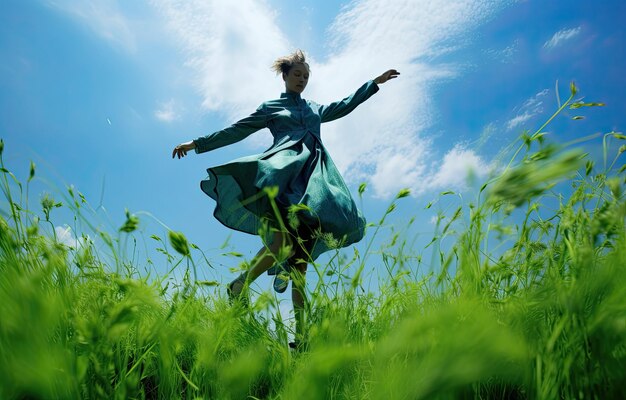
(292, 194)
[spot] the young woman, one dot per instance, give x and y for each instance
(292, 194)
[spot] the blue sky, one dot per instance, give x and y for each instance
(97, 93)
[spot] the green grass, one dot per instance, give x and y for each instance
(534, 309)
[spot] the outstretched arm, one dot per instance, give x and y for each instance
(341, 108)
(234, 133)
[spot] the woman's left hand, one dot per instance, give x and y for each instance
(182, 149)
(391, 74)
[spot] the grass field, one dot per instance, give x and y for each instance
(534, 309)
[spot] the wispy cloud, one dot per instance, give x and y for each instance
(167, 112)
(531, 107)
(561, 36)
(536, 102)
(230, 46)
(518, 120)
(504, 55)
(103, 17)
(487, 133)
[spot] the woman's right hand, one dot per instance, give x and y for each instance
(387, 75)
(182, 149)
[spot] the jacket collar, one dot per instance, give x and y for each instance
(290, 95)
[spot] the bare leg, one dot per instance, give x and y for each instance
(298, 297)
(299, 262)
(264, 259)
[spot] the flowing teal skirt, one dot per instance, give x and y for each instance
(304, 174)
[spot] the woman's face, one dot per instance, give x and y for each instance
(297, 78)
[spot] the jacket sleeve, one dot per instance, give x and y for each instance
(234, 133)
(344, 107)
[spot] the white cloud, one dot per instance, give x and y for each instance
(230, 46)
(536, 101)
(458, 165)
(389, 134)
(504, 55)
(396, 168)
(561, 36)
(487, 133)
(530, 108)
(518, 120)
(167, 112)
(64, 236)
(103, 17)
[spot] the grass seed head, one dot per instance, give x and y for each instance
(179, 242)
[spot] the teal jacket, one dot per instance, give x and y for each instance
(296, 164)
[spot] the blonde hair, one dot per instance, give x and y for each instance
(285, 63)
